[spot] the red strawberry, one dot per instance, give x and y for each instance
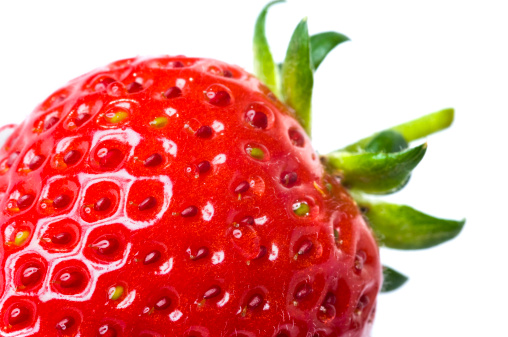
(178, 196)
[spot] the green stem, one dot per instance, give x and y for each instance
(413, 130)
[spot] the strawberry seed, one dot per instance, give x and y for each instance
(62, 238)
(212, 292)
(36, 162)
(65, 324)
(153, 160)
(189, 212)
(102, 204)
(152, 257)
(148, 203)
(163, 303)
(173, 92)
(72, 157)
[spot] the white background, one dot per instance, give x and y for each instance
(406, 59)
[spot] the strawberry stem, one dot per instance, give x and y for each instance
(298, 75)
(264, 66)
(413, 130)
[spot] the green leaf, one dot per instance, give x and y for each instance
(413, 130)
(298, 77)
(323, 43)
(403, 227)
(376, 173)
(392, 279)
(264, 66)
(388, 141)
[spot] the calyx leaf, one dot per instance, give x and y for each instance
(403, 227)
(413, 130)
(387, 141)
(323, 43)
(376, 173)
(392, 279)
(264, 66)
(298, 76)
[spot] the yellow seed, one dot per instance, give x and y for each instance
(301, 208)
(256, 153)
(115, 292)
(159, 122)
(117, 117)
(21, 237)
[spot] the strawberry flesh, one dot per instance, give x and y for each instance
(173, 181)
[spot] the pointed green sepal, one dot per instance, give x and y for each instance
(323, 43)
(392, 279)
(388, 141)
(264, 66)
(403, 227)
(413, 130)
(376, 173)
(298, 77)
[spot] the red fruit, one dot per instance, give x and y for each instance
(181, 242)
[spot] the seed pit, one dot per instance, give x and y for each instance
(103, 204)
(202, 252)
(152, 257)
(72, 157)
(257, 119)
(173, 92)
(65, 324)
(82, 118)
(61, 238)
(105, 245)
(242, 187)
(302, 291)
(61, 201)
(134, 87)
(257, 152)
(50, 122)
(31, 275)
(203, 167)
(153, 160)
(147, 203)
(189, 212)
(212, 292)
(204, 132)
(218, 95)
(25, 201)
(36, 162)
(255, 301)
(288, 179)
(296, 137)
(19, 315)
(163, 303)
(106, 330)
(111, 159)
(360, 258)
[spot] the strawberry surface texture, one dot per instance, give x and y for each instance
(177, 196)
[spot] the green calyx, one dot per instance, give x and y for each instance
(293, 80)
(376, 165)
(392, 279)
(403, 227)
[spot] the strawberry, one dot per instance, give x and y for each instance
(178, 196)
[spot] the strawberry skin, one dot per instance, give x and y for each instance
(177, 196)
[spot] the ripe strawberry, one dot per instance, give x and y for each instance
(178, 196)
